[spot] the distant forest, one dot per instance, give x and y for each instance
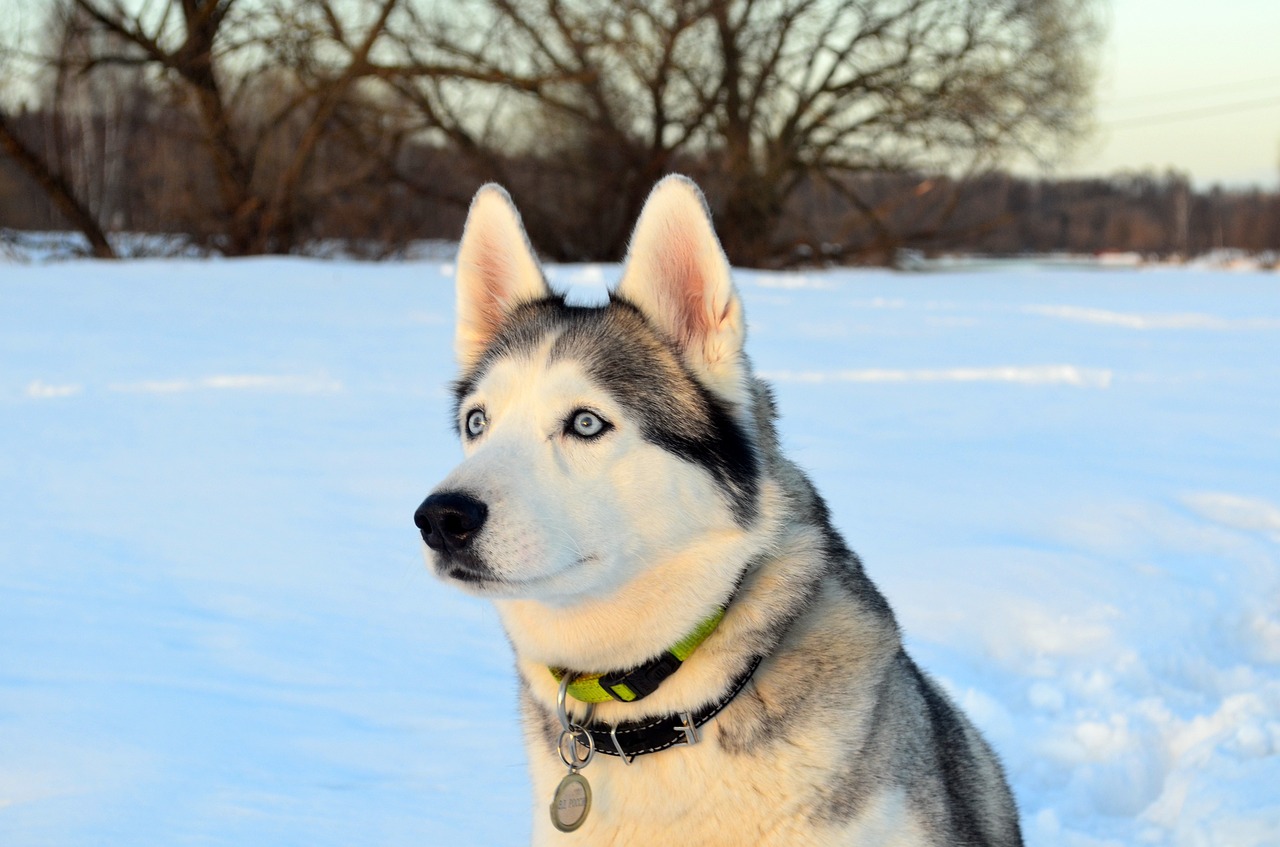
(145, 182)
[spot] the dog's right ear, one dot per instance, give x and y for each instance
(496, 272)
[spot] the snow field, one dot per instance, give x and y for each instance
(217, 627)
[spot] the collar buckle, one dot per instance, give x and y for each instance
(639, 683)
(689, 728)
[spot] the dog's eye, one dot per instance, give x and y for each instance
(477, 421)
(585, 424)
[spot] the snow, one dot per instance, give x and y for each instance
(217, 627)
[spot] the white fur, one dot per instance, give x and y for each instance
(576, 524)
(705, 797)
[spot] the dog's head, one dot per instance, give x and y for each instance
(598, 441)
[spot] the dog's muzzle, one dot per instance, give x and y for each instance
(449, 521)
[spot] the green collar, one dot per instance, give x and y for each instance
(643, 680)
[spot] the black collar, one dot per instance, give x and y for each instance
(638, 738)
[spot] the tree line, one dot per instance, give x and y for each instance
(822, 130)
(147, 185)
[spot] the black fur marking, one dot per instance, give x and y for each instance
(853, 786)
(628, 358)
(759, 726)
(725, 451)
(956, 762)
(677, 412)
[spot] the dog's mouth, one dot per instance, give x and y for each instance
(466, 567)
(475, 576)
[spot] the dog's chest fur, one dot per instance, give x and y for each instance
(791, 761)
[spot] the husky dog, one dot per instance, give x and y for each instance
(702, 659)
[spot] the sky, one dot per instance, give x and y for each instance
(1190, 85)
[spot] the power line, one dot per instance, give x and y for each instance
(1142, 99)
(1192, 114)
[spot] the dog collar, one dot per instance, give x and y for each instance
(641, 681)
(638, 738)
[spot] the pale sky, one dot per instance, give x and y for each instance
(1188, 84)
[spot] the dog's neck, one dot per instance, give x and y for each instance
(653, 611)
(647, 616)
(631, 684)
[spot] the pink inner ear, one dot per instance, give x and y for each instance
(495, 271)
(684, 273)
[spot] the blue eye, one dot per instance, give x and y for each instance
(476, 422)
(587, 424)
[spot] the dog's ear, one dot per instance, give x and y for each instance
(496, 271)
(678, 276)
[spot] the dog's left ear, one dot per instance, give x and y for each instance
(496, 271)
(677, 275)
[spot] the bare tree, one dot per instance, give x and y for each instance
(577, 106)
(49, 172)
(760, 95)
(56, 188)
(822, 90)
(265, 79)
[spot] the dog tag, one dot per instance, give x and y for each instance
(571, 802)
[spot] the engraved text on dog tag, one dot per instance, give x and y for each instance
(571, 802)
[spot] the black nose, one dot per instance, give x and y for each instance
(450, 520)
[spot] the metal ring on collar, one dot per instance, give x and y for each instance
(574, 734)
(560, 695)
(577, 732)
(563, 714)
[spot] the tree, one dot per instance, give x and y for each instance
(265, 81)
(52, 177)
(577, 107)
(759, 96)
(56, 188)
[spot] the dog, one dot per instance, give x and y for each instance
(702, 659)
